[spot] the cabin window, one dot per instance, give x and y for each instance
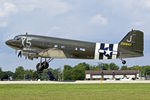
(76, 49)
(62, 46)
(82, 49)
(56, 46)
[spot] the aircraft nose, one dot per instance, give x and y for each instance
(13, 43)
(8, 42)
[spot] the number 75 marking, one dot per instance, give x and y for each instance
(26, 42)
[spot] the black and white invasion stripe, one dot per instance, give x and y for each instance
(106, 51)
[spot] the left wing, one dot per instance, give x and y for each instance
(53, 53)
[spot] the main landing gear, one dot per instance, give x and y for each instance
(123, 61)
(43, 65)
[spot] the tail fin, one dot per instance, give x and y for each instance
(131, 45)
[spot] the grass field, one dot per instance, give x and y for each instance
(76, 92)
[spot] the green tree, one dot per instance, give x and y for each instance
(104, 66)
(85, 65)
(28, 74)
(4, 76)
(54, 73)
(59, 73)
(96, 68)
(35, 75)
(1, 70)
(1, 73)
(113, 66)
(19, 73)
(124, 67)
(78, 72)
(135, 68)
(9, 73)
(44, 75)
(146, 70)
(67, 72)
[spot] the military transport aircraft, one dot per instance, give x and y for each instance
(35, 46)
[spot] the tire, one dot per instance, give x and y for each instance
(123, 62)
(45, 65)
(39, 68)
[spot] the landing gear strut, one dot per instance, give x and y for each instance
(43, 65)
(123, 61)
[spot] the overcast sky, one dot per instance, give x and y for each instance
(89, 20)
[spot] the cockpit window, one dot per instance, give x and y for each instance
(17, 38)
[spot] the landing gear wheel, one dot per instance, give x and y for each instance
(43, 65)
(39, 67)
(123, 62)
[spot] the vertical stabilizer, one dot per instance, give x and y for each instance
(132, 45)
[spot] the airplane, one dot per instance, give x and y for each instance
(36, 46)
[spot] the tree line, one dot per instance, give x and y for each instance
(67, 73)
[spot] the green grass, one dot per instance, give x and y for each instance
(76, 92)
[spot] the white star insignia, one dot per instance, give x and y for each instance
(108, 52)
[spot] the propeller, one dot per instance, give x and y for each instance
(26, 34)
(16, 52)
(20, 54)
(26, 57)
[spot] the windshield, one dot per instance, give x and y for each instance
(17, 38)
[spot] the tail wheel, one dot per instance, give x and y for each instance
(123, 62)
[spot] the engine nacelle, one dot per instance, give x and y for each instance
(30, 56)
